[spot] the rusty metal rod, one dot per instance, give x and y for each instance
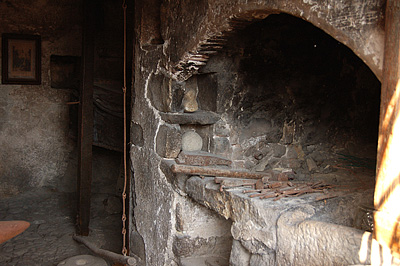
(212, 171)
(114, 257)
(219, 180)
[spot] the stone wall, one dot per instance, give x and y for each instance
(169, 51)
(287, 92)
(357, 24)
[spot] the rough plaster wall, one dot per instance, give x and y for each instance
(357, 24)
(34, 118)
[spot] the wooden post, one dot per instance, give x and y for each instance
(387, 189)
(86, 118)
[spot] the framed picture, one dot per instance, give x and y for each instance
(21, 62)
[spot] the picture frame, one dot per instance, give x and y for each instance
(21, 59)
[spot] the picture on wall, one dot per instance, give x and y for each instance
(21, 62)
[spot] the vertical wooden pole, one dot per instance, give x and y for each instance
(86, 118)
(387, 189)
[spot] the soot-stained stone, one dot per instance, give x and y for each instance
(208, 89)
(201, 158)
(168, 141)
(196, 118)
(221, 145)
(137, 134)
(291, 152)
(311, 164)
(278, 149)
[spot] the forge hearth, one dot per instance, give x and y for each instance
(256, 135)
(283, 96)
(287, 121)
(291, 96)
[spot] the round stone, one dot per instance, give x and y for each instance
(86, 260)
(81, 262)
(191, 141)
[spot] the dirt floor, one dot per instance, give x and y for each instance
(52, 214)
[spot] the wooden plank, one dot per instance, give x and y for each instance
(86, 118)
(387, 189)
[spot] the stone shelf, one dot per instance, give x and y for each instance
(290, 229)
(201, 158)
(196, 118)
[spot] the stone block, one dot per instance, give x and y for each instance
(159, 92)
(300, 241)
(312, 166)
(290, 163)
(177, 92)
(138, 248)
(262, 164)
(239, 255)
(288, 133)
(177, 180)
(204, 261)
(185, 246)
(201, 158)
(261, 260)
(291, 152)
(137, 134)
(318, 156)
(278, 149)
(221, 145)
(195, 118)
(221, 129)
(168, 141)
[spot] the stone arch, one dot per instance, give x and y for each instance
(357, 24)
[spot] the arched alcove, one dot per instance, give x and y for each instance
(357, 24)
(279, 97)
(292, 97)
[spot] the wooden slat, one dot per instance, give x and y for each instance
(387, 189)
(86, 118)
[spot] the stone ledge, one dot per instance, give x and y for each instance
(233, 203)
(196, 118)
(286, 229)
(201, 158)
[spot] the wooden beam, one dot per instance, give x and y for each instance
(387, 189)
(86, 118)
